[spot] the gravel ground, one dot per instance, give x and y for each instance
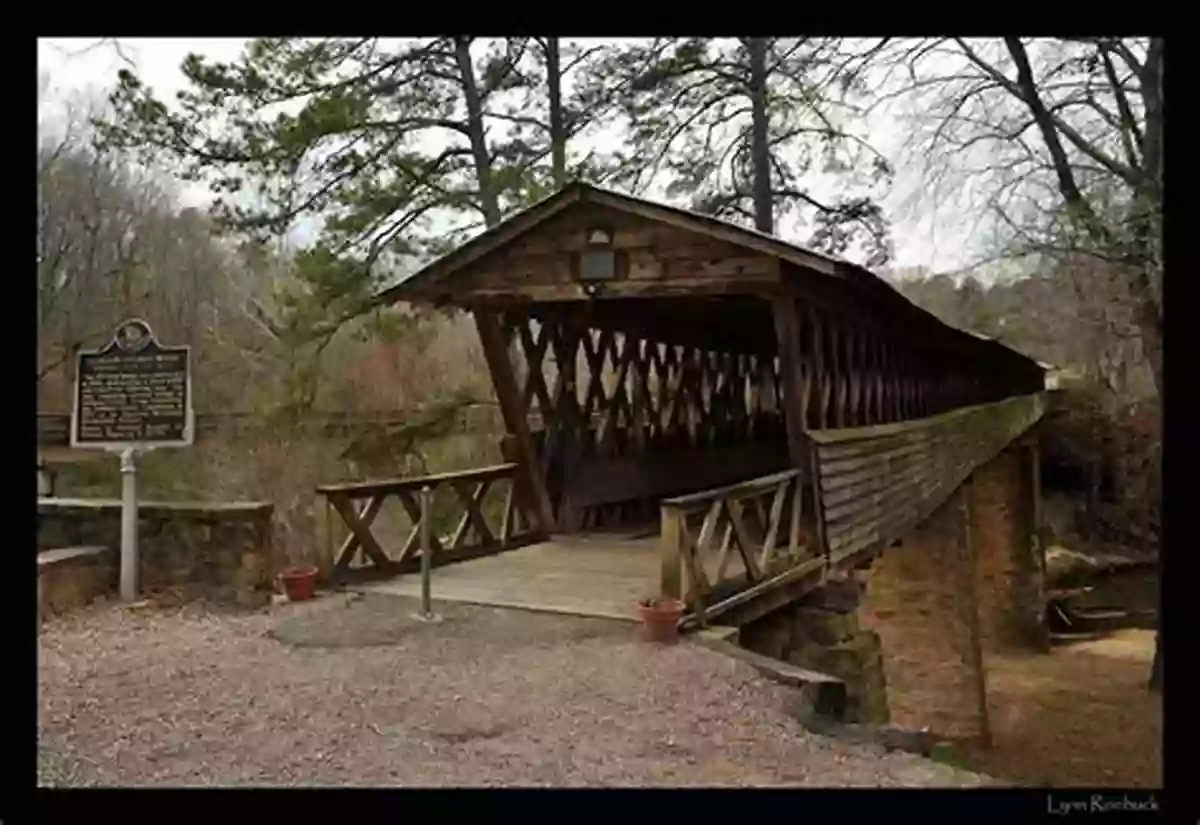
(353, 691)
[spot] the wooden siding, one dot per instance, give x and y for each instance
(543, 263)
(875, 483)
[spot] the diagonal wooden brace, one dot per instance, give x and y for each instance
(359, 523)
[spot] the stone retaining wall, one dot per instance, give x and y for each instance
(969, 579)
(72, 577)
(221, 551)
(821, 633)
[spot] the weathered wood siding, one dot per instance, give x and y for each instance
(647, 252)
(876, 483)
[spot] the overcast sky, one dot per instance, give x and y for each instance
(923, 237)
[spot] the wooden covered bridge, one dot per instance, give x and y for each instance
(692, 408)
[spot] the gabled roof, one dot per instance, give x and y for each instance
(578, 191)
(818, 263)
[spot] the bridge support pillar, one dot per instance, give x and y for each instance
(921, 599)
(821, 632)
(1004, 510)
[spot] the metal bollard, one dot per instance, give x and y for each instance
(426, 501)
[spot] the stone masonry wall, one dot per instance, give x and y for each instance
(821, 633)
(219, 551)
(994, 499)
(921, 601)
(1011, 607)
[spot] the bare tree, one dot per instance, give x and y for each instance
(1063, 139)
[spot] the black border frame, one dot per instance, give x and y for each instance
(21, 801)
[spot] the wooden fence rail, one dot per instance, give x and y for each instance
(465, 491)
(762, 519)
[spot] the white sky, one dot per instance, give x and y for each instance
(922, 238)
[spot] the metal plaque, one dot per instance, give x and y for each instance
(133, 393)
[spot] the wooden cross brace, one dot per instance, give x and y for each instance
(359, 523)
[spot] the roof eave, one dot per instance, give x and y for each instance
(410, 288)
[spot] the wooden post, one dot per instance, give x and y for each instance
(787, 334)
(513, 411)
(672, 553)
(820, 377)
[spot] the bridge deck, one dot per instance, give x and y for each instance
(592, 574)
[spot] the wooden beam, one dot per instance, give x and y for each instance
(787, 333)
(514, 414)
(745, 283)
(820, 377)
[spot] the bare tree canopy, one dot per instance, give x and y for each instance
(1063, 139)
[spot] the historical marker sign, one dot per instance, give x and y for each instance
(134, 393)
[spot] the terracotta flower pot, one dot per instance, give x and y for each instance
(300, 583)
(660, 619)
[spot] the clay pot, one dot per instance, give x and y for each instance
(660, 619)
(300, 583)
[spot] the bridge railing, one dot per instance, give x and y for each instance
(729, 546)
(458, 497)
(724, 547)
(874, 484)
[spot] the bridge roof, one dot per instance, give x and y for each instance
(712, 263)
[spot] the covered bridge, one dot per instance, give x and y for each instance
(694, 408)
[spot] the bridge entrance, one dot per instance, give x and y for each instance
(693, 409)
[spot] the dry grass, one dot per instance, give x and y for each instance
(487, 697)
(1078, 717)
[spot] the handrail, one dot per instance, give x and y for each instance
(693, 502)
(1035, 403)
(762, 519)
(365, 489)
(472, 538)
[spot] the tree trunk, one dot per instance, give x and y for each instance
(482, 157)
(558, 132)
(760, 149)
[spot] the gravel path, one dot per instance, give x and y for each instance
(486, 697)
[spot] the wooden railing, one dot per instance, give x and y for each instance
(730, 546)
(724, 547)
(877, 483)
(461, 496)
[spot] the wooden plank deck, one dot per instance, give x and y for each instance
(592, 574)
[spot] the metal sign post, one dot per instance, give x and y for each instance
(129, 520)
(132, 396)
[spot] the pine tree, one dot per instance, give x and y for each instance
(737, 126)
(389, 152)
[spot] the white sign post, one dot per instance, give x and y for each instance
(129, 525)
(132, 396)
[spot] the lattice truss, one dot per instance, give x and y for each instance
(636, 394)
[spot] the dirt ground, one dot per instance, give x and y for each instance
(347, 691)
(1078, 716)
